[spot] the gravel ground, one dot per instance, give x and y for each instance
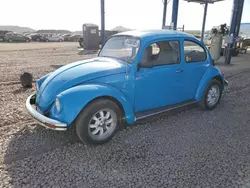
(188, 148)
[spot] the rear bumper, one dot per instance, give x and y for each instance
(41, 119)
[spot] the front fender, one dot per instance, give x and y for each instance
(75, 99)
(41, 80)
(210, 73)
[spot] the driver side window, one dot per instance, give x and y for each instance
(162, 53)
(194, 52)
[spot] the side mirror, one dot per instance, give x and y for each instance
(144, 65)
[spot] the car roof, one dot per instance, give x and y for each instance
(156, 33)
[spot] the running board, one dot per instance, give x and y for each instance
(147, 113)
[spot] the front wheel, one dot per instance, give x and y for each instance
(98, 122)
(81, 44)
(212, 95)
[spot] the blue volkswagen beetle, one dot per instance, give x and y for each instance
(136, 74)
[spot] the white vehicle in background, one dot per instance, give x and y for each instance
(51, 37)
(207, 40)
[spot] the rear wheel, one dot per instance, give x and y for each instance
(98, 122)
(212, 95)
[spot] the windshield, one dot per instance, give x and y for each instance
(124, 48)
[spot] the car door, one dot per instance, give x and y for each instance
(162, 84)
(50, 37)
(55, 37)
(21, 38)
(15, 37)
(195, 63)
(18, 37)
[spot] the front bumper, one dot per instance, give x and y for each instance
(41, 119)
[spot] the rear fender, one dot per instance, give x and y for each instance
(210, 73)
(75, 99)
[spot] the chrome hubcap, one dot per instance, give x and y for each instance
(213, 95)
(102, 124)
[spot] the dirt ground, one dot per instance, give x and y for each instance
(185, 149)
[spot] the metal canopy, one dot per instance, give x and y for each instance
(206, 2)
(203, 1)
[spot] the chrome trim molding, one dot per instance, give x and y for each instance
(43, 120)
(225, 83)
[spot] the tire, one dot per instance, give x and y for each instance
(10, 40)
(210, 93)
(91, 115)
(46, 40)
(81, 44)
(37, 39)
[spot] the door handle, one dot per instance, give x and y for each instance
(179, 70)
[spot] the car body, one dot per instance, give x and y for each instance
(16, 37)
(71, 37)
(136, 74)
(51, 37)
(75, 37)
(3, 33)
(36, 36)
(66, 36)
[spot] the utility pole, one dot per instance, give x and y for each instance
(234, 28)
(175, 13)
(102, 22)
(164, 13)
(204, 22)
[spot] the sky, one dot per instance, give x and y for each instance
(134, 14)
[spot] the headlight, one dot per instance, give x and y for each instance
(58, 106)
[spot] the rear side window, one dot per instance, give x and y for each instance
(194, 52)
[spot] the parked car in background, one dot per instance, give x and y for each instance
(66, 37)
(36, 37)
(51, 38)
(137, 74)
(3, 33)
(71, 37)
(74, 37)
(16, 37)
(80, 41)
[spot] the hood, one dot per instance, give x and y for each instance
(73, 74)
